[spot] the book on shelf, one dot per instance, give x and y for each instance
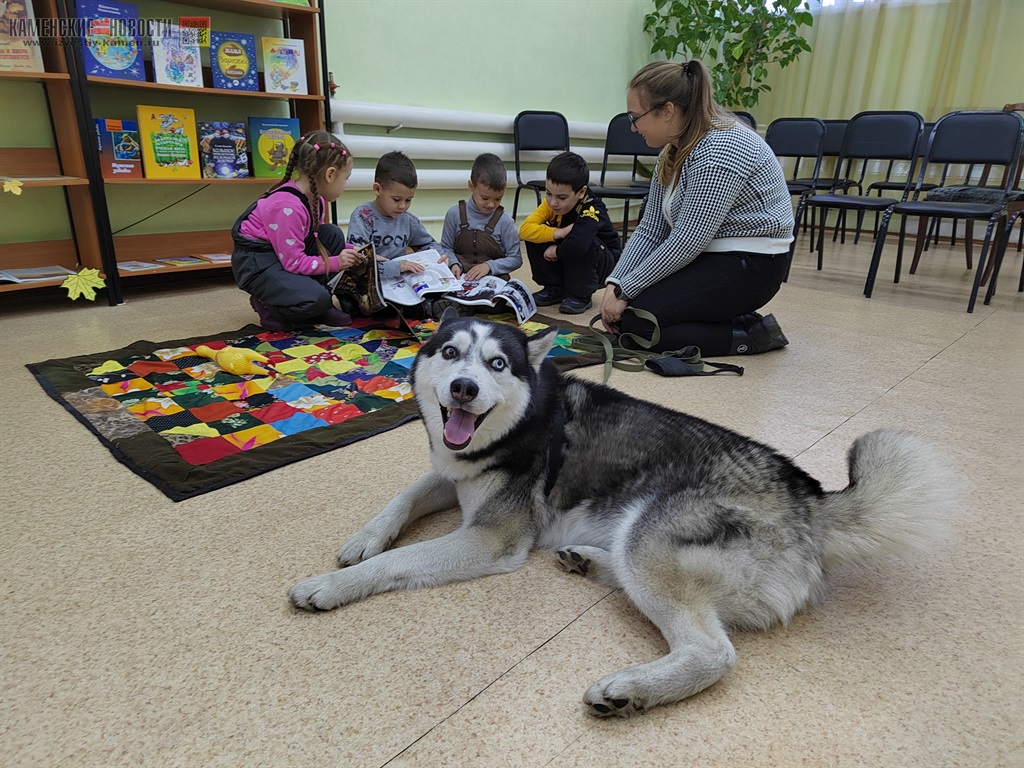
(271, 142)
(34, 274)
(284, 66)
(435, 281)
(293, 2)
(181, 261)
(137, 266)
(110, 47)
(120, 153)
(233, 61)
(215, 258)
(169, 146)
(174, 61)
(19, 44)
(222, 149)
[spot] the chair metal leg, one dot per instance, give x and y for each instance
(969, 241)
(899, 250)
(981, 260)
(515, 203)
(998, 254)
(922, 238)
(876, 255)
(821, 235)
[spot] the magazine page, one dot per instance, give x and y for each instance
(478, 292)
(518, 296)
(410, 289)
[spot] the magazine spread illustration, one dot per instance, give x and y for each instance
(361, 286)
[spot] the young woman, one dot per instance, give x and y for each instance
(714, 239)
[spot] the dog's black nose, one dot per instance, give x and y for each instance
(464, 390)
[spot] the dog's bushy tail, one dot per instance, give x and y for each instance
(901, 497)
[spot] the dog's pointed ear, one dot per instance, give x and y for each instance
(451, 313)
(538, 346)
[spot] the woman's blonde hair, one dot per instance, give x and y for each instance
(688, 86)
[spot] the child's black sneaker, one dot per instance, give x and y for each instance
(548, 297)
(572, 305)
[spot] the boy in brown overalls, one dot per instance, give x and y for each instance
(483, 237)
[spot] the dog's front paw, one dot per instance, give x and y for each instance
(320, 593)
(606, 698)
(362, 546)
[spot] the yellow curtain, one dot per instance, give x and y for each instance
(929, 56)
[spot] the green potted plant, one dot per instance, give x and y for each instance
(736, 40)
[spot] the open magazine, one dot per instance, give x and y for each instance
(363, 288)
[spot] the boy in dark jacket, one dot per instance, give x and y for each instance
(570, 239)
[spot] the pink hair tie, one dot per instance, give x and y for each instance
(316, 146)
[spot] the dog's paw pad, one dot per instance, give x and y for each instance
(573, 562)
(603, 707)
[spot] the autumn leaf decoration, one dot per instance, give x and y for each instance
(13, 186)
(84, 284)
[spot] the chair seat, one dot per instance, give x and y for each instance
(947, 210)
(969, 194)
(853, 201)
(897, 186)
(633, 193)
(822, 183)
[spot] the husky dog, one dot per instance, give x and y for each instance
(703, 529)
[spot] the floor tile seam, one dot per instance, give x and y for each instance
(501, 676)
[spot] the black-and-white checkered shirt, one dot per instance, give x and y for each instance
(731, 195)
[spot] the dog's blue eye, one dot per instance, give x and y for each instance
(449, 353)
(498, 364)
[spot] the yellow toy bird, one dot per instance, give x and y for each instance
(236, 360)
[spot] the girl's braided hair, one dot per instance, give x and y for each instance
(312, 154)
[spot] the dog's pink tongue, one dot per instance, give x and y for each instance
(459, 428)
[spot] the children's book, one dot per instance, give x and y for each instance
(408, 290)
(169, 146)
(222, 149)
(216, 258)
(19, 44)
(181, 261)
(272, 140)
(174, 62)
(110, 47)
(137, 266)
(233, 61)
(120, 153)
(284, 66)
(34, 274)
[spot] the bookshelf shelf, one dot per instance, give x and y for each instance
(194, 182)
(148, 86)
(37, 77)
(48, 181)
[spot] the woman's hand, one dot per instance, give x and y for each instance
(478, 271)
(411, 267)
(612, 309)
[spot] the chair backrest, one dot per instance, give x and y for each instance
(834, 131)
(983, 137)
(539, 130)
(621, 139)
(747, 118)
(797, 137)
(874, 135)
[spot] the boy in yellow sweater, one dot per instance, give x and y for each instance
(570, 239)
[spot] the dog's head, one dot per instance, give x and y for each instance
(474, 378)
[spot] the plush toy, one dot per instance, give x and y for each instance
(235, 360)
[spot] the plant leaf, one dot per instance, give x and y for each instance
(83, 284)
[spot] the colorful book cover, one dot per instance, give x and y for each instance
(175, 63)
(233, 61)
(222, 148)
(120, 153)
(181, 261)
(168, 139)
(284, 66)
(272, 139)
(19, 44)
(110, 47)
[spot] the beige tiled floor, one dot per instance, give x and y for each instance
(137, 631)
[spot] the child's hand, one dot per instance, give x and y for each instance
(411, 267)
(551, 253)
(456, 269)
(348, 258)
(478, 271)
(563, 232)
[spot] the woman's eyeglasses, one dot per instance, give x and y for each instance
(635, 120)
